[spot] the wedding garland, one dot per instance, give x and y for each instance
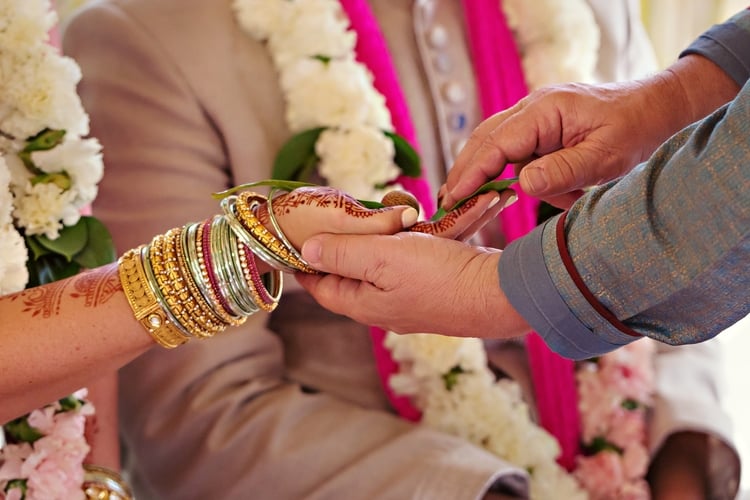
(48, 174)
(329, 95)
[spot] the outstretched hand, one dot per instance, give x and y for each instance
(313, 210)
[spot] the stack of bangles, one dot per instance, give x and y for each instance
(196, 280)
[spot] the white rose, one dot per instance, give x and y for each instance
(334, 94)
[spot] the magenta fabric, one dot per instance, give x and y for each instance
(372, 51)
(501, 84)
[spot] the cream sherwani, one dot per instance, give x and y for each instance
(288, 406)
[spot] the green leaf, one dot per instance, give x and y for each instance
(21, 431)
(49, 268)
(17, 483)
(44, 140)
(322, 58)
(630, 404)
(295, 154)
(274, 183)
(406, 157)
(371, 204)
(498, 186)
(61, 179)
(71, 240)
(37, 249)
(451, 377)
(70, 403)
(599, 444)
(99, 249)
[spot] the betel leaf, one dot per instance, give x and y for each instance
(71, 240)
(406, 157)
(99, 249)
(295, 154)
(498, 186)
(274, 183)
(37, 250)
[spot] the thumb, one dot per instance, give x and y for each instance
(349, 256)
(563, 171)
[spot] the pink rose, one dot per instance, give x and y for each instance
(11, 460)
(635, 461)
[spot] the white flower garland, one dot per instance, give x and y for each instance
(336, 91)
(48, 172)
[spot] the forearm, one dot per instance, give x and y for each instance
(658, 253)
(57, 337)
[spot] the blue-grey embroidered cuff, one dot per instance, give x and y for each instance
(528, 285)
(728, 46)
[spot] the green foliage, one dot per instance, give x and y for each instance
(406, 157)
(85, 245)
(450, 378)
(19, 431)
(600, 444)
(498, 186)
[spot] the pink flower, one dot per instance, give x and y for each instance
(626, 427)
(635, 461)
(11, 460)
(634, 490)
(13, 494)
(600, 474)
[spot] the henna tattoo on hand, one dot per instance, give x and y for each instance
(321, 196)
(98, 286)
(446, 223)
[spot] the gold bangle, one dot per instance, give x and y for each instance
(261, 234)
(172, 285)
(144, 304)
(205, 307)
(101, 483)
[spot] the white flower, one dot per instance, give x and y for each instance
(355, 160)
(39, 91)
(554, 48)
(44, 208)
(13, 272)
(24, 23)
(261, 18)
(338, 93)
(313, 28)
(81, 160)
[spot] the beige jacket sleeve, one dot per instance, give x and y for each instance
(220, 418)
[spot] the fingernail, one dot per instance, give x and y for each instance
(311, 251)
(494, 202)
(513, 198)
(409, 217)
(536, 179)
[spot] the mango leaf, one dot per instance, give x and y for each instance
(274, 183)
(99, 249)
(295, 154)
(71, 240)
(498, 186)
(406, 157)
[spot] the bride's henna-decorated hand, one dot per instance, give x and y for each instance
(308, 211)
